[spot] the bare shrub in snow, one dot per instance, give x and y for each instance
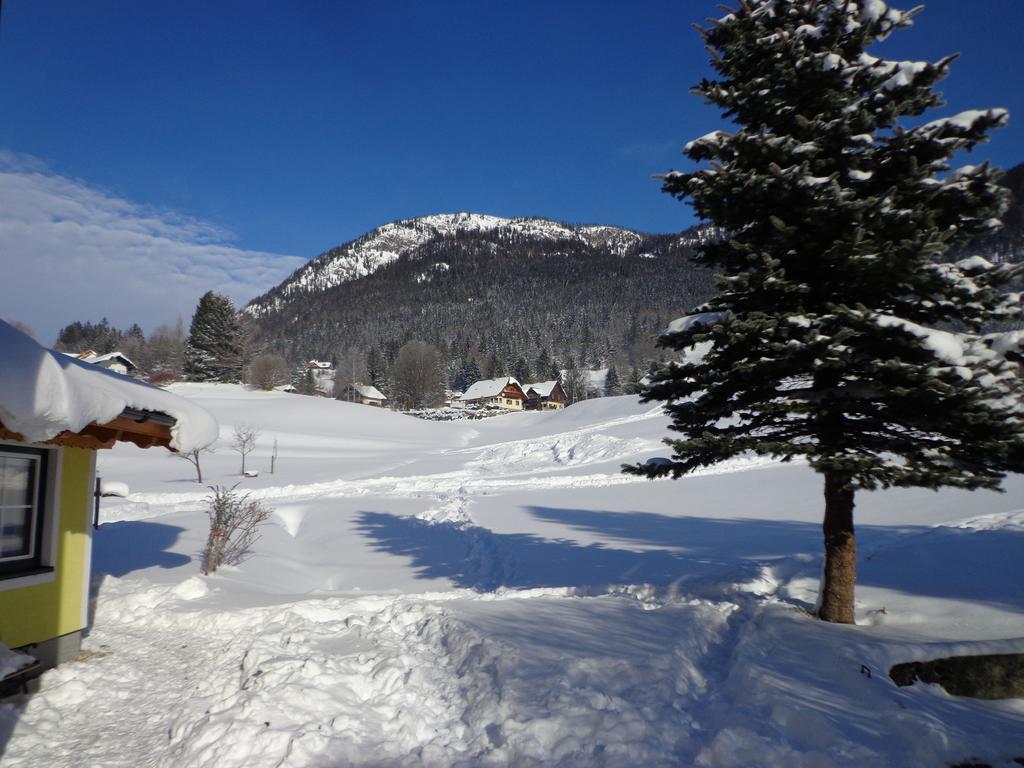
(269, 371)
(165, 352)
(350, 369)
(234, 524)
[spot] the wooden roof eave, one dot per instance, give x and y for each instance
(125, 428)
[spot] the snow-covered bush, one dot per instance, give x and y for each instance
(113, 488)
(234, 521)
(457, 413)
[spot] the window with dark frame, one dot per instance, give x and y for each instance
(23, 474)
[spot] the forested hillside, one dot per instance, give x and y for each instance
(500, 291)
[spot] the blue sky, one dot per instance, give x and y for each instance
(287, 128)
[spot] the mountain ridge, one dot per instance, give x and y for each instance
(385, 244)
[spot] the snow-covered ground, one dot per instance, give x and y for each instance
(496, 593)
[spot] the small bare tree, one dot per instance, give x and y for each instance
(234, 523)
(417, 376)
(243, 440)
(165, 350)
(350, 369)
(192, 457)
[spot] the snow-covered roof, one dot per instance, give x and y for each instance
(100, 359)
(91, 357)
(369, 391)
(542, 388)
(322, 364)
(487, 388)
(44, 393)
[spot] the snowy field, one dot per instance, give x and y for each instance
(496, 593)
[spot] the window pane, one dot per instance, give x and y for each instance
(16, 481)
(15, 532)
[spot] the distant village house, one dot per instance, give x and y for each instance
(112, 361)
(366, 394)
(545, 396)
(504, 392)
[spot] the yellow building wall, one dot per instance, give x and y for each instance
(40, 612)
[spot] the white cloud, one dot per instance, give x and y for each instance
(70, 251)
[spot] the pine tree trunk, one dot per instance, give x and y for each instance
(840, 551)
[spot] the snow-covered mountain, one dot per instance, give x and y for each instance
(386, 244)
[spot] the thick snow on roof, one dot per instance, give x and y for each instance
(687, 322)
(370, 391)
(43, 393)
(542, 388)
(487, 388)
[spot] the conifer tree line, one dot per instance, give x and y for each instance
(844, 332)
(222, 345)
(160, 354)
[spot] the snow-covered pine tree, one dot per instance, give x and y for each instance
(612, 385)
(376, 367)
(493, 367)
(543, 365)
(213, 351)
(521, 371)
(832, 336)
(633, 386)
(305, 382)
(469, 374)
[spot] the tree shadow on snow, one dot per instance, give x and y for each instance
(675, 549)
(957, 563)
(936, 562)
